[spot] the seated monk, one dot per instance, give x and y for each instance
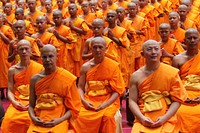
(101, 98)
(54, 98)
(189, 65)
(155, 93)
(16, 119)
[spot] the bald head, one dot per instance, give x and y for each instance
(72, 5)
(98, 21)
(112, 12)
(57, 12)
(174, 14)
(164, 26)
(23, 42)
(131, 4)
(48, 48)
(191, 31)
(20, 22)
(19, 10)
(120, 8)
(183, 7)
(8, 5)
(188, 3)
(148, 43)
(99, 40)
(41, 18)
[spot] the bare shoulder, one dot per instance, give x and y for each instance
(85, 67)
(180, 56)
(35, 78)
(136, 76)
(179, 60)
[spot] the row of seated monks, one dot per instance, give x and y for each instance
(89, 50)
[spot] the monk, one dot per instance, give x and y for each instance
(100, 100)
(16, 119)
(65, 40)
(119, 36)
(186, 23)
(169, 47)
(9, 15)
(60, 5)
(111, 51)
(19, 29)
(177, 32)
(49, 13)
(79, 30)
(155, 96)
(188, 63)
(6, 35)
(51, 109)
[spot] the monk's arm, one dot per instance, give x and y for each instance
(175, 62)
(116, 40)
(62, 38)
(4, 38)
(133, 98)
(11, 54)
(85, 54)
(11, 96)
(76, 29)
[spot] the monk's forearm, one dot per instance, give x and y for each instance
(11, 58)
(63, 39)
(135, 110)
(66, 116)
(112, 99)
(117, 41)
(4, 38)
(87, 56)
(172, 110)
(31, 112)
(11, 96)
(78, 30)
(81, 94)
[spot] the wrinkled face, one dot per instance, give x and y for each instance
(24, 50)
(60, 3)
(104, 4)
(182, 12)
(173, 19)
(49, 59)
(152, 52)
(120, 13)
(192, 40)
(97, 29)
(132, 10)
(48, 6)
(72, 10)
(19, 15)
(85, 7)
(164, 32)
(19, 29)
(98, 49)
(31, 4)
(111, 17)
(41, 24)
(57, 18)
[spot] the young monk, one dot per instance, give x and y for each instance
(9, 19)
(188, 63)
(79, 29)
(169, 47)
(100, 98)
(16, 119)
(65, 40)
(51, 109)
(185, 22)
(155, 102)
(49, 13)
(119, 36)
(19, 29)
(60, 4)
(6, 35)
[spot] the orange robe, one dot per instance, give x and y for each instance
(100, 88)
(123, 52)
(189, 24)
(53, 103)
(11, 18)
(34, 15)
(169, 86)
(77, 49)
(189, 116)
(123, 4)
(112, 7)
(17, 121)
(173, 47)
(167, 7)
(7, 31)
(179, 34)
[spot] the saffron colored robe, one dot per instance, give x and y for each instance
(173, 47)
(56, 93)
(100, 88)
(17, 121)
(165, 86)
(179, 34)
(7, 31)
(189, 116)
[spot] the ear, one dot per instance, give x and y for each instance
(142, 53)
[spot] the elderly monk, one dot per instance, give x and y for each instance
(189, 65)
(54, 98)
(16, 119)
(155, 96)
(101, 98)
(170, 47)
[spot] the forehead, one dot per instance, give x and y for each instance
(152, 45)
(182, 8)
(71, 6)
(19, 24)
(98, 23)
(173, 15)
(23, 45)
(111, 14)
(31, 1)
(192, 33)
(164, 27)
(40, 19)
(120, 10)
(97, 43)
(57, 14)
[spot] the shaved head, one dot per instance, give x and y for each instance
(174, 13)
(72, 5)
(164, 25)
(41, 18)
(20, 22)
(149, 42)
(49, 48)
(23, 42)
(98, 21)
(57, 12)
(182, 7)
(112, 12)
(98, 40)
(191, 30)
(19, 10)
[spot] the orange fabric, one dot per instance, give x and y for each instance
(123, 4)
(77, 50)
(112, 7)
(169, 82)
(179, 34)
(65, 84)
(16, 121)
(34, 15)
(173, 47)
(189, 116)
(189, 24)
(7, 31)
(103, 119)
(11, 17)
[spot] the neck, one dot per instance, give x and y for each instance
(165, 40)
(21, 37)
(32, 11)
(25, 62)
(112, 25)
(50, 71)
(182, 19)
(98, 60)
(174, 27)
(41, 31)
(132, 15)
(73, 16)
(192, 52)
(121, 19)
(152, 66)
(86, 13)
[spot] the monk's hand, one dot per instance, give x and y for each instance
(39, 42)
(110, 34)
(55, 32)
(71, 25)
(164, 53)
(139, 32)
(159, 122)
(101, 107)
(147, 122)
(37, 121)
(52, 122)
(19, 106)
(88, 105)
